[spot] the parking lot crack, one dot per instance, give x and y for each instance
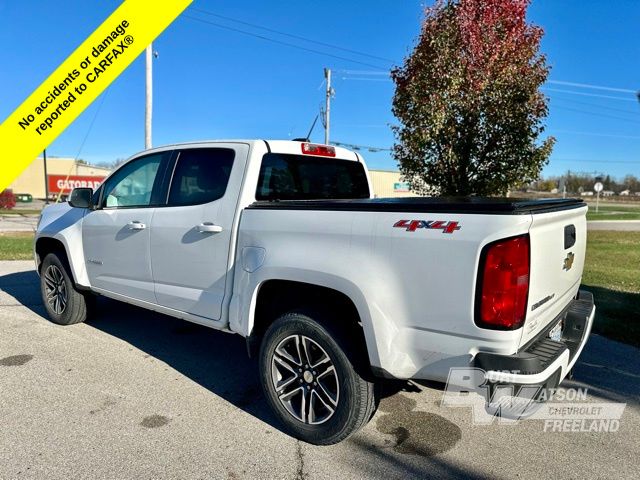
(300, 473)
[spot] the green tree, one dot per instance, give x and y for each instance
(547, 185)
(632, 183)
(468, 100)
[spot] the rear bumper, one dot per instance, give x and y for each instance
(543, 361)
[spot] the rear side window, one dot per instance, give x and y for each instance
(201, 175)
(300, 177)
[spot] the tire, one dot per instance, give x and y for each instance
(338, 400)
(65, 305)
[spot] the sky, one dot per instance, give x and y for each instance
(216, 76)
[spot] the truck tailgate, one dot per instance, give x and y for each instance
(558, 245)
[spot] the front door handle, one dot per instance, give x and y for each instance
(136, 225)
(208, 227)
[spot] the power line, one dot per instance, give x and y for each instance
(555, 82)
(363, 125)
(386, 80)
(596, 105)
(376, 57)
(597, 114)
(549, 131)
(290, 35)
(380, 70)
(611, 97)
(354, 146)
(590, 160)
(262, 37)
(594, 134)
(556, 100)
(595, 87)
(357, 147)
(363, 72)
(548, 89)
(86, 135)
(93, 120)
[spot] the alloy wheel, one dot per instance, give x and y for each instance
(55, 289)
(305, 379)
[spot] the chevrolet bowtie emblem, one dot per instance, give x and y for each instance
(568, 262)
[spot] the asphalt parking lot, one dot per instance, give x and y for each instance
(134, 394)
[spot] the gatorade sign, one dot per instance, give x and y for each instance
(64, 184)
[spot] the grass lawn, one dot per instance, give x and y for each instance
(16, 246)
(613, 212)
(612, 274)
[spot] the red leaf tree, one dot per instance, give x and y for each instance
(468, 100)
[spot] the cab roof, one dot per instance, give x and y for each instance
(275, 146)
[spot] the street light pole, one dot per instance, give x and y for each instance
(327, 112)
(46, 178)
(148, 111)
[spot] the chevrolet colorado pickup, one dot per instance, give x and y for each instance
(281, 242)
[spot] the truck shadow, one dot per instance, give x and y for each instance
(217, 361)
(24, 287)
(617, 314)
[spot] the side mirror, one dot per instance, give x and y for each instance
(81, 197)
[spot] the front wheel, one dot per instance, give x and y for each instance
(310, 381)
(64, 304)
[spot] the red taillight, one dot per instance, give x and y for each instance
(504, 287)
(319, 150)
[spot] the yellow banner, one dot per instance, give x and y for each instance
(79, 80)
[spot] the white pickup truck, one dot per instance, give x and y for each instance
(281, 242)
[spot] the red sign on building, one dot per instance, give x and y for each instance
(64, 184)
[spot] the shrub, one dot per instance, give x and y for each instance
(7, 200)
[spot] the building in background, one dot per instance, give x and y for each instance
(63, 174)
(388, 184)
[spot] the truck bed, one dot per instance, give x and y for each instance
(420, 278)
(477, 205)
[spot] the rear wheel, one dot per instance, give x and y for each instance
(64, 304)
(310, 381)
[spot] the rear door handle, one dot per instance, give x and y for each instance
(209, 228)
(136, 225)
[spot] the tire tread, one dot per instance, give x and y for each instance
(77, 308)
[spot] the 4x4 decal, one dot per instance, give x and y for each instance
(413, 225)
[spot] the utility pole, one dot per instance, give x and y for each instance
(327, 111)
(46, 178)
(149, 97)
